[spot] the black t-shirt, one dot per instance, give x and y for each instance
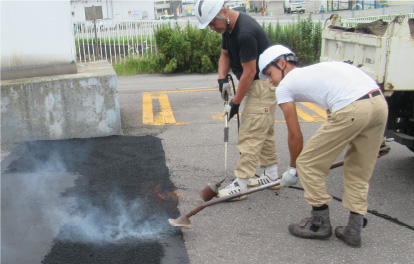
(245, 43)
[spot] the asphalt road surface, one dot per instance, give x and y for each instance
(185, 112)
(107, 200)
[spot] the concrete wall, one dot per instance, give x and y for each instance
(81, 105)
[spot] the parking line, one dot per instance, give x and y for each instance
(315, 108)
(166, 116)
(147, 112)
(304, 115)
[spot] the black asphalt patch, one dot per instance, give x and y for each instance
(122, 199)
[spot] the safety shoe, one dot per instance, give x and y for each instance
(232, 188)
(318, 226)
(262, 180)
(351, 234)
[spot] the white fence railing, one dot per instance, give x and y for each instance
(115, 39)
(352, 22)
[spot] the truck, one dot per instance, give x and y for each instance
(388, 58)
(291, 6)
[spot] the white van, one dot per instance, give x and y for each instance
(292, 6)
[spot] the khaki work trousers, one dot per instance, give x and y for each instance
(256, 135)
(360, 126)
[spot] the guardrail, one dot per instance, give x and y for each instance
(114, 40)
(352, 22)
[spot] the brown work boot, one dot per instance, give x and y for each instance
(318, 226)
(351, 234)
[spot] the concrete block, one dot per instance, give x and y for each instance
(81, 105)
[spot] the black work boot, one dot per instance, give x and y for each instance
(351, 234)
(318, 226)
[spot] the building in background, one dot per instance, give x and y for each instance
(114, 9)
(188, 7)
(169, 9)
(162, 8)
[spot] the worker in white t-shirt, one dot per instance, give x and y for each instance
(357, 115)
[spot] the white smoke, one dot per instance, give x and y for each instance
(121, 220)
(38, 195)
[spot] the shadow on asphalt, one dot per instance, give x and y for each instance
(121, 199)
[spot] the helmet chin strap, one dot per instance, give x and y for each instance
(282, 70)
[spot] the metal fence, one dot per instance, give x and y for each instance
(114, 40)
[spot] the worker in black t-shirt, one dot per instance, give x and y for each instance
(243, 40)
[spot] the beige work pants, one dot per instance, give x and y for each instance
(360, 126)
(256, 135)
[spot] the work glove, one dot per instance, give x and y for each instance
(225, 89)
(231, 109)
(289, 178)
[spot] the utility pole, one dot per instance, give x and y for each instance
(174, 6)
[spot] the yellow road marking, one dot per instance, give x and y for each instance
(304, 115)
(315, 109)
(147, 113)
(189, 90)
(166, 111)
(166, 116)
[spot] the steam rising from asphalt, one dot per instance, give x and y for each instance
(121, 220)
(38, 195)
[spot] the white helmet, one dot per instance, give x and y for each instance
(207, 10)
(273, 54)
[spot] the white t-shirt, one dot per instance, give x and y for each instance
(333, 85)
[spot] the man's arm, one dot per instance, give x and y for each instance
(224, 64)
(295, 138)
(246, 80)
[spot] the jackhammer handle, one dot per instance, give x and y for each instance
(226, 129)
(226, 97)
(226, 140)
